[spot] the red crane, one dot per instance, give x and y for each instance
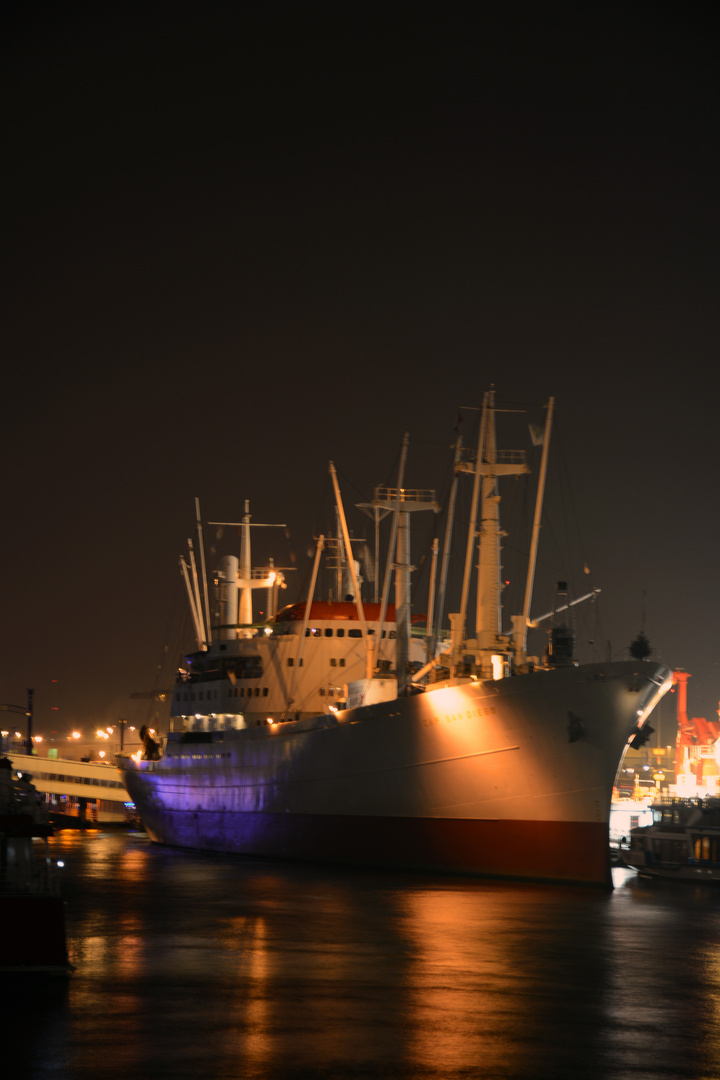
(696, 737)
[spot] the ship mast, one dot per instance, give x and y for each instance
(521, 622)
(489, 646)
(201, 546)
(446, 551)
(236, 617)
(487, 611)
(403, 501)
(351, 568)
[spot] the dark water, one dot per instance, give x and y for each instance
(193, 965)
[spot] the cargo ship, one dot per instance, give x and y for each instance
(332, 734)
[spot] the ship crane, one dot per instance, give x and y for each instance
(696, 741)
(533, 623)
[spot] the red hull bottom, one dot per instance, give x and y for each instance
(571, 852)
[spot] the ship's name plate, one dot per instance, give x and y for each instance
(463, 714)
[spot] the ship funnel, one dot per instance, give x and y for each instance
(228, 598)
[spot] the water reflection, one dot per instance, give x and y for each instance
(190, 964)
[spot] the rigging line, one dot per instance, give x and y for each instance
(569, 490)
(169, 659)
(347, 480)
(177, 619)
(391, 476)
(320, 527)
(324, 500)
(430, 442)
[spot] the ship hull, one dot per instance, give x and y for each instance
(529, 850)
(507, 779)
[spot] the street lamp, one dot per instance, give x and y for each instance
(29, 714)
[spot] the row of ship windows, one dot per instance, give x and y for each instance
(214, 695)
(334, 661)
(315, 631)
(240, 691)
(77, 779)
(195, 757)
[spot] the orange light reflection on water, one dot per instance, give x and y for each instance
(265, 971)
(463, 984)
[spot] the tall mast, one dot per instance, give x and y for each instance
(306, 619)
(202, 569)
(196, 616)
(446, 547)
(245, 612)
(404, 501)
(198, 605)
(377, 513)
(489, 466)
(431, 600)
(487, 611)
(351, 567)
(459, 630)
(520, 625)
(245, 580)
(391, 548)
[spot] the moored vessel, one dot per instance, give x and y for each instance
(682, 843)
(31, 907)
(325, 735)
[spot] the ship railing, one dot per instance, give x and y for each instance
(687, 801)
(394, 495)
(502, 457)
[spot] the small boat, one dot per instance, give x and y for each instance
(31, 907)
(683, 841)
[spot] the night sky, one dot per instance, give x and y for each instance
(241, 241)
